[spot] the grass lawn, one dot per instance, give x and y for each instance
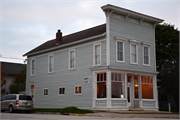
(63, 110)
(167, 109)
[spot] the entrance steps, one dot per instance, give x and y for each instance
(136, 109)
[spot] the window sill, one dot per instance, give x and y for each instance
(133, 63)
(45, 95)
(71, 69)
(97, 65)
(146, 65)
(61, 95)
(78, 94)
(120, 61)
(50, 72)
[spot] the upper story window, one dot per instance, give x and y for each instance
(33, 67)
(72, 59)
(97, 54)
(120, 53)
(146, 54)
(51, 64)
(133, 51)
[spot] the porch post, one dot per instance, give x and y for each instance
(94, 91)
(126, 89)
(155, 92)
(108, 89)
(140, 90)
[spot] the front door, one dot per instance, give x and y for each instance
(32, 92)
(129, 96)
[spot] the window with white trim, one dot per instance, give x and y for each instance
(133, 53)
(146, 55)
(45, 91)
(147, 87)
(97, 54)
(61, 90)
(72, 59)
(117, 85)
(51, 63)
(78, 90)
(120, 51)
(33, 67)
(101, 85)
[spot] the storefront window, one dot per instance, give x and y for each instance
(117, 85)
(147, 87)
(101, 85)
(136, 87)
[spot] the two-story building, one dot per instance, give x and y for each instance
(108, 67)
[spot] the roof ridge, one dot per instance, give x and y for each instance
(84, 30)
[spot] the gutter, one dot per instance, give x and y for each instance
(79, 41)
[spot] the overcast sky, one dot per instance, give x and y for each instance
(25, 24)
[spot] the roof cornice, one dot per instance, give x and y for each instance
(123, 69)
(54, 48)
(129, 13)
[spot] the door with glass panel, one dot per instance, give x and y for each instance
(32, 91)
(129, 94)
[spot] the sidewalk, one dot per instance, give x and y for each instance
(125, 114)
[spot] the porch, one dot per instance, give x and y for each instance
(115, 89)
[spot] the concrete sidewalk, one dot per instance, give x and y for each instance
(134, 115)
(122, 114)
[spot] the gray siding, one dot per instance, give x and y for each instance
(63, 77)
(131, 29)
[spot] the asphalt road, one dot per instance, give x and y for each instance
(30, 116)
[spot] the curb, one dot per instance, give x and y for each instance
(124, 115)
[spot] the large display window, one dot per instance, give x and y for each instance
(101, 85)
(147, 87)
(117, 85)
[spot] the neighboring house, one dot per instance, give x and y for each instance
(108, 67)
(11, 69)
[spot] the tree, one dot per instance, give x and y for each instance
(3, 80)
(19, 82)
(167, 59)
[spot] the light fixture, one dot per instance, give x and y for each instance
(136, 85)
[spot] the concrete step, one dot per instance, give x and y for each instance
(136, 109)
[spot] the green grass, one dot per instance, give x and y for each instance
(167, 109)
(63, 110)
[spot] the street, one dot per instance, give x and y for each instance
(31, 116)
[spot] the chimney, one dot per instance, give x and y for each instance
(58, 36)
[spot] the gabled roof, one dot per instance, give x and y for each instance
(78, 36)
(12, 68)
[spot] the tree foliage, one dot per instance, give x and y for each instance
(167, 59)
(3, 80)
(19, 82)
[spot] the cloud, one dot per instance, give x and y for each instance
(28, 23)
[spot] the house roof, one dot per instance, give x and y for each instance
(78, 36)
(130, 13)
(12, 68)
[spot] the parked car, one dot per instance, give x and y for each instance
(14, 102)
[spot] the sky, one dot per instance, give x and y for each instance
(26, 24)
